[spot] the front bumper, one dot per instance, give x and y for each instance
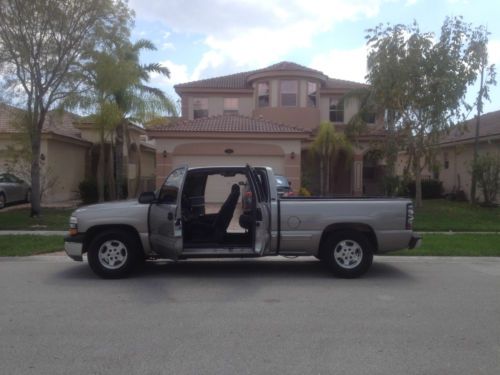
(73, 245)
(415, 241)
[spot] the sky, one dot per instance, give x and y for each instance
(199, 39)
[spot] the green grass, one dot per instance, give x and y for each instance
(456, 245)
(440, 215)
(24, 245)
(51, 219)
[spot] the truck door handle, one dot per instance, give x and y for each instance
(170, 216)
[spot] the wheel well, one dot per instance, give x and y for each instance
(94, 231)
(365, 229)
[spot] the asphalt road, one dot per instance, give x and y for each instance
(407, 316)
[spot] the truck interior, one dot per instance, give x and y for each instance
(217, 209)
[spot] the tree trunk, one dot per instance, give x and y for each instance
(119, 163)
(138, 177)
(111, 173)
(418, 182)
(473, 183)
(35, 176)
(101, 173)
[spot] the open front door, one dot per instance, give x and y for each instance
(165, 217)
(261, 211)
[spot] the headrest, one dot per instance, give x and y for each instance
(235, 188)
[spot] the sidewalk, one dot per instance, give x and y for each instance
(34, 232)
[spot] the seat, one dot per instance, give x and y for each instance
(226, 212)
(216, 229)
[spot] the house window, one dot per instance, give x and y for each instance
(369, 118)
(336, 111)
(263, 94)
(200, 107)
(312, 90)
(231, 106)
(289, 93)
(446, 161)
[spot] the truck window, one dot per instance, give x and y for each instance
(170, 189)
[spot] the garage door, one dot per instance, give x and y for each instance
(218, 188)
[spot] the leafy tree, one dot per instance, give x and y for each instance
(486, 171)
(327, 146)
(421, 81)
(487, 75)
(42, 46)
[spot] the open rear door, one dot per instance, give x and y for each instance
(261, 211)
(165, 216)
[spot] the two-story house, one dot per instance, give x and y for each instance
(268, 117)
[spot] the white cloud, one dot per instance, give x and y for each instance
(342, 64)
(248, 34)
(178, 74)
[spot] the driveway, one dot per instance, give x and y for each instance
(269, 316)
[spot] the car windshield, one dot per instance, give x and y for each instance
(281, 181)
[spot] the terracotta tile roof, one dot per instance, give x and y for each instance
(227, 124)
(239, 80)
(56, 122)
(489, 127)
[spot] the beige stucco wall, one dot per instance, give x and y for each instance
(65, 166)
(275, 153)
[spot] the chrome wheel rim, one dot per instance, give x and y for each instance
(112, 254)
(348, 254)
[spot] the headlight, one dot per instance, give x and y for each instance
(73, 226)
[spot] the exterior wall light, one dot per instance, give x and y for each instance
(164, 153)
(292, 155)
(42, 157)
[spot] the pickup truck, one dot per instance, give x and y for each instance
(174, 223)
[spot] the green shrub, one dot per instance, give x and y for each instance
(430, 189)
(303, 192)
(88, 191)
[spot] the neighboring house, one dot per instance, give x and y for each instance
(267, 117)
(69, 153)
(456, 149)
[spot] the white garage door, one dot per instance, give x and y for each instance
(219, 188)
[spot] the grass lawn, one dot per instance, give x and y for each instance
(29, 245)
(438, 215)
(456, 245)
(51, 219)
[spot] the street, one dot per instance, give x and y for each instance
(266, 316)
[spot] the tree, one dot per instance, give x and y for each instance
(421, 81)
(42, 46)
(487, 75)
(327, 146)
(486, 171)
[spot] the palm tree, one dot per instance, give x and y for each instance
(118, 95)
(137, 102)
(327, 146)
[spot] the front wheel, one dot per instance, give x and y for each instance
(113, 254)
(348, 254)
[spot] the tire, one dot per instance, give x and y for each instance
(114, 254)
(348, 254)
(3, 200)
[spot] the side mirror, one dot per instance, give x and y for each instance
(147, 197)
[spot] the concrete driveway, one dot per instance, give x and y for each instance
(269, 316)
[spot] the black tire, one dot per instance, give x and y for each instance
(3, 200)
(114, 254)
(347, 253)
(28, 196)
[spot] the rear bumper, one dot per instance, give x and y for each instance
(73, 245)
(415, 241)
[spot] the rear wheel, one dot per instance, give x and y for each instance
(114, 254)
(348, 254)
(3, 201)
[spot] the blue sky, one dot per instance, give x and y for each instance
(199, 39)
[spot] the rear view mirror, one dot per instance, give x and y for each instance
(147, 197)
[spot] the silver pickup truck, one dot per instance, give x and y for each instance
(248, 221)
